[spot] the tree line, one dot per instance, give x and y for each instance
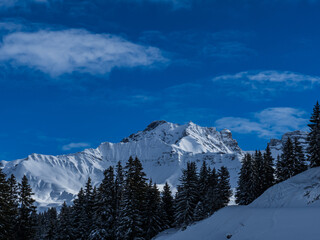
(124, 206)
(258, 172)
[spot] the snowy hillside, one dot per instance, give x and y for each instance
(163, 148)
(289, 210)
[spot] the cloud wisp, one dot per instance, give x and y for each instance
(263, 83)
(76, 50)
(73, 145)
(270, 122)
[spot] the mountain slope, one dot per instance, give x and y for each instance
(164, 149)
(289, 210)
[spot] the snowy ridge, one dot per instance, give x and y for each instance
(163, 148)
(288, 210)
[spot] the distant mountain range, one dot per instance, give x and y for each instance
(164, 148)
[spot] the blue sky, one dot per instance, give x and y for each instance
(76, 73)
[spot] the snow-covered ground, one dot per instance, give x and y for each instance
(287, 211)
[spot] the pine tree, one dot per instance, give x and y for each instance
(259, 173)
(203, 206)
(13, 207)
(224, 187)
(268, 167)
(314, 137)
(119, 184)
(79, 217)
(168, 205)
(286, 165)
(105, 205)
(132, 206)
(213, 192)
(299, 159)
(51, 224)
(64, 223)
(27, 211)
(187, 197)
(246, 190)
(153, 213)
(4, 206)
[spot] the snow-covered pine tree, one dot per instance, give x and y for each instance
(224, 187)
(64, 223)
(132, 206)
(187, 196)
(268, 168)
(167, 203)
(26, 212)
(299, 159)
(104, 216)
(314, 137)
(285, 165)
(154, 217)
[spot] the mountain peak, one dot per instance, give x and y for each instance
(154, 125)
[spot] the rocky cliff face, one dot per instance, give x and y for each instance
(277, 144)
(164, 149)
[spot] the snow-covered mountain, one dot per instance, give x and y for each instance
(164, 149)
(288, 210)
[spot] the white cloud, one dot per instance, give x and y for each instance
(73, 145)
(74, 50)
(270, 122)
(271, 76)
(256, 84)
(11, 3)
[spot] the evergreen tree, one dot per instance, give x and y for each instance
(4, 206)
(26, 217)
(105, 208)
(285, 167)
(13, 207)
(203, 206)
(213, 193)
(259, 174)
(299, 159)
(168, 205)
(246, 190)
(64, 223)
(132, 206)
(119, 184)
(51, 224)
(153, 213)
(268, 167)
(224, 187)
(314, 137)
(187, 196)
(79, 218)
